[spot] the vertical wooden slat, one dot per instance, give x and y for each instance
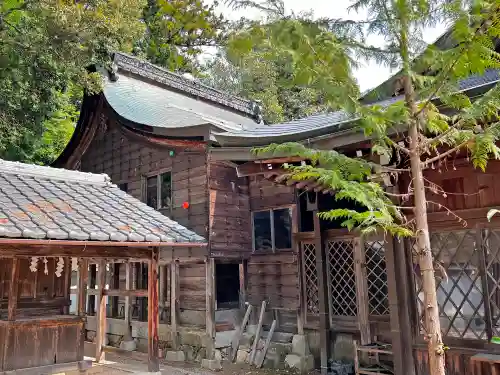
(210, 304)
(483, 272)
(397, 285)
(92, 282)
(116, 285)
(128, 286)
(67, 284)
(83, 279)
(101, 312)
(324, 325)
(174, 302)
(361, 291)
(13, 289)
(153, 313)
(243, 283)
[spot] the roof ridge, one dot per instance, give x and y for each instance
(50, 173)
(166, 77)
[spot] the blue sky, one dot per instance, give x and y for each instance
(369, 74)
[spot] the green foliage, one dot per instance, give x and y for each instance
(177, 31)
(263, 60)
(427, 73)
(45, 48)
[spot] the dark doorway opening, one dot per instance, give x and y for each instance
(227, 285)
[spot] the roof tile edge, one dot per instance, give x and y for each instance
(50, 173)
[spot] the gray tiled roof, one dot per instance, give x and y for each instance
(48, 203)
(148, 104)
(321, 124)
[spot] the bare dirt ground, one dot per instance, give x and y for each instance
(116, 364)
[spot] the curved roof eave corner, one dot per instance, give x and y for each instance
(91, 106)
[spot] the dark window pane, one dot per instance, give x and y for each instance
(166, 190)
(152, 192)
(262, 230)
(283, 228)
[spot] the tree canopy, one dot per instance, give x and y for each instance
(251, 66)
(47, 46)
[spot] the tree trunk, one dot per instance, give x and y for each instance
(423, 244)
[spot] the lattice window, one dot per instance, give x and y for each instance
(459, 288)
(341, 278)
(378, 297)
(310, 278)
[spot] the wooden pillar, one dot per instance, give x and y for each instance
(128, 286)
(13, 289)
(324, 322)
(362, 291)
(67, 285)
(399, 306)
(83, 280)
(243, 284)
(210, 304)
(174, 302)
(153, 312)
(100, 336)
(92, 284)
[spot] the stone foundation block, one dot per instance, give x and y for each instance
(300, 364)
(211, 364)
(128, 345)
(300, 345)
(242, 356)
(175, 356)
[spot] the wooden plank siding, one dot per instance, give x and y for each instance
(128, 161)
(230, 226)
(192, 282)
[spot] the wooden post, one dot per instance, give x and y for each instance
(324, 322)
(13, 289)
(362, 292)
(243, 284)
(128, 286)
(67, 284)
(116, 285)
(174, 302)
(83, 280)
(153, 312)
(399, 305)
(100, 336)
(297, 251)
(210, 305)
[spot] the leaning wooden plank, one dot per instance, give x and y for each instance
(257, 333)
(236, 340)
(260, 361)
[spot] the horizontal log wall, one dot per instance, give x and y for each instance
(126, 161)
(192, 284)
(230, 226)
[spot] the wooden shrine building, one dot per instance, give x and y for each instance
(53, 221)
(185, 150)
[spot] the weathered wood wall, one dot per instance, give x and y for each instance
(38, 293)
(127, 160)
(192, 286)
(273, 276)
(230, 226)
(40, 342)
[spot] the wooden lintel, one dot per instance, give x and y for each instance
(153, 313)
(99, 252)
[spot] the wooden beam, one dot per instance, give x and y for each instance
(174, 302)
(260, 361)
(13, 290)
(100, 313)
(153, 313)
(210, 304)
(324, 322)
(237, 337)
(83, 280)
(362, 292)
(120, 292)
